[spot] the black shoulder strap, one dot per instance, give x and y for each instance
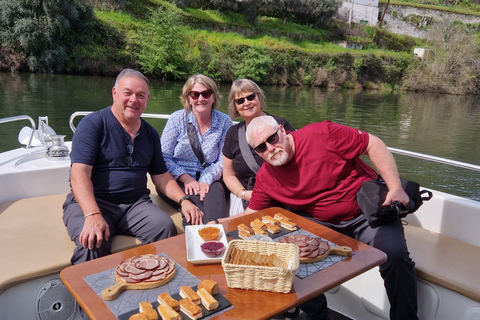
(245, 149)
(194, 143)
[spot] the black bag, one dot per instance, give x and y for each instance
(372, 194)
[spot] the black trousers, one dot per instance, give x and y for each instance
(398, 272)
(214, 205)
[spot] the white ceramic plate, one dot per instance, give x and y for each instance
(193, 241)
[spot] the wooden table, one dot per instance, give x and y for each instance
(248, 304)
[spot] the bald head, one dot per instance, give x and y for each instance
(258, 126)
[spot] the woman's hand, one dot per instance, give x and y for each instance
(204, 188)
(191, 185)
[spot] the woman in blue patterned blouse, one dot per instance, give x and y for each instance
(199, 178)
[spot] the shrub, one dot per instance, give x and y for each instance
(42, 32)
(454, 66)
(163, 55)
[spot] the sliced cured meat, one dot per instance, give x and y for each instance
(314, 254)
(163, 264)
(147, 264)
(324, 245)
(158, 277)
(310, 247)
(141, 276)
(122, 273)
(132, 269)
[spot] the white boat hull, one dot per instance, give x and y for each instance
(27, 173)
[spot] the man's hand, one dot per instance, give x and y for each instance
(397, 194)
(192, 213)
(95, 230)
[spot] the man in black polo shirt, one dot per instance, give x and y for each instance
(112, 152)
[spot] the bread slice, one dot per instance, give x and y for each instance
(244, 235)
(210, 285)
(288, 224)
(209, 302)
(269, 220)
(147, 308)
(190, 309)
(165, 298)
(258, 223)
(279, 216)
(138, 316)
(273, 228)
(167, 313)
(188, 292)
(244, 228)
(258, 230)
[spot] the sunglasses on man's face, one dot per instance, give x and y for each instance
(195, 94)
(250, 97)
(271, 140)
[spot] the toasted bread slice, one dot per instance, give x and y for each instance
(288, 224)
(269, 219)
(188, 292)
(208, 301)
(258, 223)
(190, 309)
(147, 308)
(273, 228)
(165, 298)
(167, 313)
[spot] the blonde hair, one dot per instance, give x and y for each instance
(202, 79)
(242, 86)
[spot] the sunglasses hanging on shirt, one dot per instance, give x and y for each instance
(130, 154)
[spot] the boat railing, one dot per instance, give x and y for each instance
(84, 113)
(423, 156)
(19, 118)
(393, 150)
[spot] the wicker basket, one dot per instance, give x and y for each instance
(262, 278)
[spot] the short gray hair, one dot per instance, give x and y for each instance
(258, 125)
(131, 73)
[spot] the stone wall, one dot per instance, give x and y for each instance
(369, 12)
(394, 20)
(363, 11)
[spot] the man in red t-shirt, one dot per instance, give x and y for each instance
(316, 171)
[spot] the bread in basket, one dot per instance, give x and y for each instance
(263, 266)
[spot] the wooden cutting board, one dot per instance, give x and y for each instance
(121, 284)
(340, 250)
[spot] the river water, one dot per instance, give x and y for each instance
(439, 125)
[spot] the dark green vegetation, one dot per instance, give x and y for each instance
(262, 40)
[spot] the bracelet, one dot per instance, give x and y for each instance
(243, 194)
(236, 193)
(187, 197)
(92, 213)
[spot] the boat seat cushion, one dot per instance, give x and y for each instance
(445, 261)
(35, 242)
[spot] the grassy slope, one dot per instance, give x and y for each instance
(231, 30)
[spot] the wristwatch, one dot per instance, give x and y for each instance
(187, 197)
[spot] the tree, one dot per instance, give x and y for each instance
(40, 33)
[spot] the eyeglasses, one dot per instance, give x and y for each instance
(205, 94)
(130, 153)
(271, 140)
(250, 97)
